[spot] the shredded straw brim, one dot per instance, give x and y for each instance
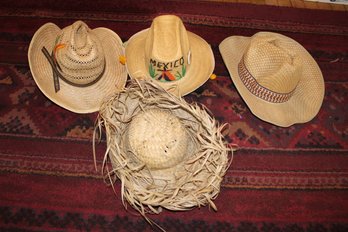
(195, 182)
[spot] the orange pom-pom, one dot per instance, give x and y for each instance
(122, 60)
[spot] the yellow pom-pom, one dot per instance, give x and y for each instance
(213, 76)
(122, 60)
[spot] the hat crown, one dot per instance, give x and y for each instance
(158, 139)
(271, 61)
(79, 54)
(167, 49)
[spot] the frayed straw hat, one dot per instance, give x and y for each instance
(77, 67)
(170, 55)
(278, 79)
(166, 152)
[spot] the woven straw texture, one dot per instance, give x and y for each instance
(86, 54)
(82, 57)
(158, 139)
(280, 81)
(166, 152)
(166, 41)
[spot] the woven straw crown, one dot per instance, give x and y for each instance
(167, 49)
(272, 64)
(81, 57)
(277, 78)
(158, 139)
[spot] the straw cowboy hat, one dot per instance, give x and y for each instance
(166, 152)
(278, 79)
(169, 54)
(77, 67)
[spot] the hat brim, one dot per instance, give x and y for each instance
(201, 67)
(77, 99)
(305, 101)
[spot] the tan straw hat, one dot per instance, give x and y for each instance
(77, 67)
(170, 55)
(278, 79)
(166, 152)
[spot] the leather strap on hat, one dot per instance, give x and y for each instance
(57, 74)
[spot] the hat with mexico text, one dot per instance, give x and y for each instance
(169, 54)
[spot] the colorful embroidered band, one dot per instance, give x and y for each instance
(57, 74)
(167, 71)
(255, 88)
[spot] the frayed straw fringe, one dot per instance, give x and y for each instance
(195, 182)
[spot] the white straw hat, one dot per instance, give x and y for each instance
(77, 67)
(170, 55)
(166, 152)
(278, 79)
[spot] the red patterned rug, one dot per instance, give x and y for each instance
(281, 179)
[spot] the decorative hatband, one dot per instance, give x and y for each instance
(258, 90)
